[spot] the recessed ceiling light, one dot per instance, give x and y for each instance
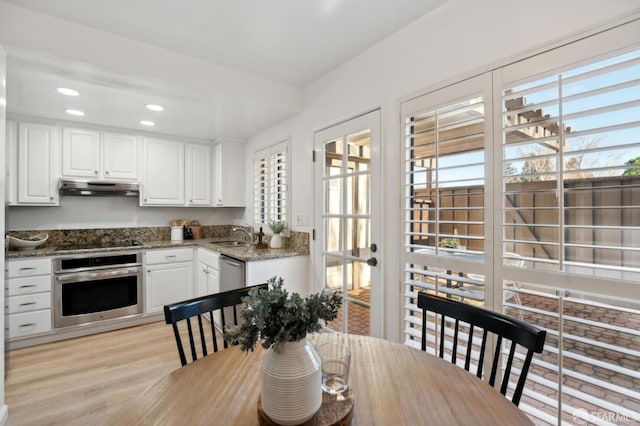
(147, 123)
(67, 91)
(76, 112)
(154, 107)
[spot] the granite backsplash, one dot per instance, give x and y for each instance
(297, 241)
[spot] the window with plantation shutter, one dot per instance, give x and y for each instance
(445, 139)
(270, 183)
(572, 169)
(558, 240)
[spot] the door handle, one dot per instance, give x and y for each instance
(372, 261)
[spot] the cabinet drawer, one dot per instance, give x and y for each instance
(18, 286)
(209, 258)
(29, 267)
(169, 256)
(28, 302)
(25, 324)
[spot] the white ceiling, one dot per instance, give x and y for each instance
(287, 41)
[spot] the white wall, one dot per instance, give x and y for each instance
(460, 37)
(3, 104)
(113, 212)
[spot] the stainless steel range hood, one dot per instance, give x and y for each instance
(98, 188)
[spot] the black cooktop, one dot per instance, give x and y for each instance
(99, 245)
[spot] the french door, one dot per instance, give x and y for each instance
(348, 224)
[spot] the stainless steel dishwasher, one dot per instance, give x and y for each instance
(232, 273)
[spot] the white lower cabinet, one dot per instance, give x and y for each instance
(208, 279)
(169, 278)
(29, 323)
(293, 270)
(28, 301)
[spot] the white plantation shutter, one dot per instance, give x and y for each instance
(571, 219)
(571, 184)
(270, 184)
(562, 220)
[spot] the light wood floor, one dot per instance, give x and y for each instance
(82, 381)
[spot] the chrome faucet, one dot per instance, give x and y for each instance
(247, 233)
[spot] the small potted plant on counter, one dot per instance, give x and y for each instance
(277, 227)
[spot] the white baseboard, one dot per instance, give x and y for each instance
(4, 414)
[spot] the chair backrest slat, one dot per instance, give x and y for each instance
(454, 351)
(213, 332)
(502, 326)
(205, 305)
(483, 346)
(495, 361)
(202, 339)
(467, 358)
(191, 341)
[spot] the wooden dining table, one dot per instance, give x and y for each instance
(391, 384)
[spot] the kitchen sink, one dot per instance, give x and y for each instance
(232, 243)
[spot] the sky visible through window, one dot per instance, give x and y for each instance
(618, 107)
(593, 140)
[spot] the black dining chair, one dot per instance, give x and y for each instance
(212, 308)
(502, 326)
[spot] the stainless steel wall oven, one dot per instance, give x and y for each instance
(94, 287)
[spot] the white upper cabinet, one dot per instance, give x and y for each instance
(35, 163)
(93, 154)
(163, 173)
(120, 156)
(80, 153)
(229, 189)
(198, 175)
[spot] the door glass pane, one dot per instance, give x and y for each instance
(333, 195)
(333, 268)
(333, 153)
(356, 301)
(358, 195)
(333, 235)
(359, 238)
(359, 151)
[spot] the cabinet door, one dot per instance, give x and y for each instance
(229, 171)
(120, 156)
(80, 153)
(163, 179)
(38, 145)
(213, 283)
(198, 175)
(168, 283)
(293, 270)
(202, 276)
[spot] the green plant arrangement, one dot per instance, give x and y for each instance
(271, 314)
(452, 243)
(277, 226)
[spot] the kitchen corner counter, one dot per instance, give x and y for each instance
(246, 253)
(249, 253)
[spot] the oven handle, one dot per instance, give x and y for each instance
(86, 276)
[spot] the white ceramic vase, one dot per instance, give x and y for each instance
(276, 241)
(291, 383)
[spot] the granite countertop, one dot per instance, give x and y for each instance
(246, 253)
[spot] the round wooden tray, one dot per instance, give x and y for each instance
(335, 410)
